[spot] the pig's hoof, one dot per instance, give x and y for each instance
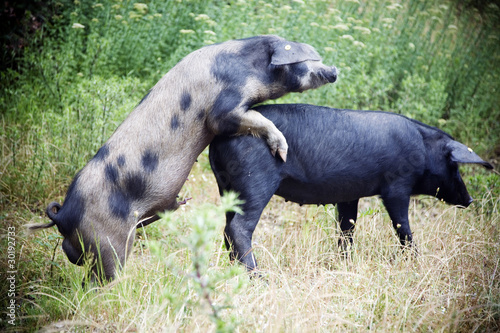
(277, 143)
(282, 153)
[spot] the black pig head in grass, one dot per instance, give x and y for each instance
(141, 168)
(336, 157)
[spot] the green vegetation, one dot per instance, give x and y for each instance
(70, 81)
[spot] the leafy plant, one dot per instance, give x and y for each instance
(204, 225)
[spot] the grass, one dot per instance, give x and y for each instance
(452, 285)
(71, 86)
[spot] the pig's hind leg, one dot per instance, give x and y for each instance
(256, 193)
(238, 238)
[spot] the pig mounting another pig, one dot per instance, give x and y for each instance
(140, 170)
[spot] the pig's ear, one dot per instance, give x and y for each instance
(460, 153)
(286, 53)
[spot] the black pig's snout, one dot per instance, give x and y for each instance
(465, 203)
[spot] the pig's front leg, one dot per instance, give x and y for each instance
(252, 122)
(225, 119)
(397, 207)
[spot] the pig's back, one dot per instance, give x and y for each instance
(341, 155)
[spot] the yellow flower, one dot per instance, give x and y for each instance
(394, 6)
(363, 30)
(141, 7)
(342, 27)
(353, 20)
(359, 44)
(118, 17)
(78, 26)
(347, 37)
(202, 17)
(186, 31)
(134, 15)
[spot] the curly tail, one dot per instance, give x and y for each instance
(51, 211)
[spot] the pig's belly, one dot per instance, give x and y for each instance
(321, 193)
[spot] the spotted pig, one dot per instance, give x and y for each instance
(141, 168)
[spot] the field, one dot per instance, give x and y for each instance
(75, 75)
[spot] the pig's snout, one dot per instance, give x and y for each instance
(465, 203)
(75, 256)
(331, 74)
(326, 74)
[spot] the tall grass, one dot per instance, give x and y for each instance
(307, 285)
(91, 63)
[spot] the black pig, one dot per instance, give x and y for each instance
(336, 157)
